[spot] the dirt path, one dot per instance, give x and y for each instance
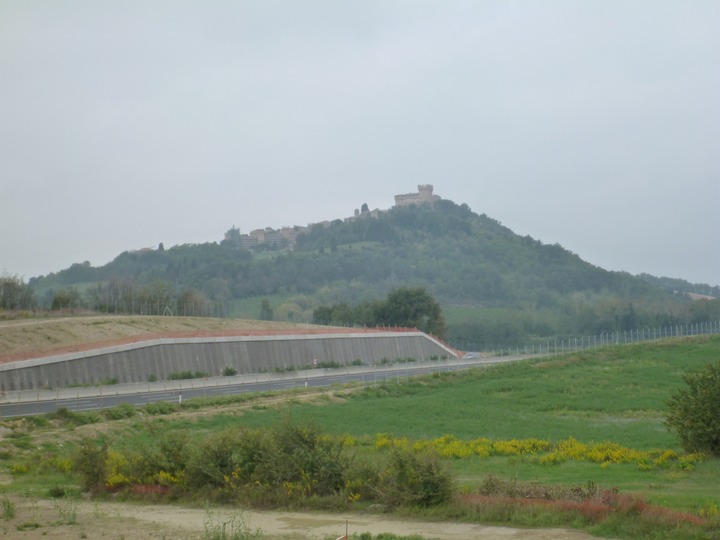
(65, 520)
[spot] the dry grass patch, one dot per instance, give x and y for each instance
(27, 338)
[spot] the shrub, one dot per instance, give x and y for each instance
(62, 465)
(171, 451)
(328, 364)
(118, 412)
(284, 369)
(181, 375)
(58, 492)
(67, 511)
(160, 407)
(416, 479)
(229, 371)
(118, 467)
(90, 463)
(306, 459)
(362, 479)
(233, 527)
(20, 468)
(8, 508)
(38, 421)
(63, 413)
(290, 461)
(68, 417)
(87, 417)
(214, 459)
(695, 411)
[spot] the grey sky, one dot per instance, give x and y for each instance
(593, 124)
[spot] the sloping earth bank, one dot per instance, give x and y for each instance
(30, 338)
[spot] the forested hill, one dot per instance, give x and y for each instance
(464, 260)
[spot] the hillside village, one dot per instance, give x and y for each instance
(287, 236)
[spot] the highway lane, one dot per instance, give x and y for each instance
(141, 394)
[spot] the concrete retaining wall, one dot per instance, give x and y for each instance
(247, 354)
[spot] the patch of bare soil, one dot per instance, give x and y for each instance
(67, 519)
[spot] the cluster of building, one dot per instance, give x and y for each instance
(287, 236)
(269, 236)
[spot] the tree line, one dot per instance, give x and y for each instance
(14, 293)
(404, 307)
(115, 296)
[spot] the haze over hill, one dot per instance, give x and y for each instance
(493, 285)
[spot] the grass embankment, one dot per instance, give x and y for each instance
(35, 336)
(584, 433)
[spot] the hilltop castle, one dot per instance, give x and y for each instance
(424, 195)
(288, 235)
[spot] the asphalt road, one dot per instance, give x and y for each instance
(31, 403)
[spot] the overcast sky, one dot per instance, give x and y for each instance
(592, 124)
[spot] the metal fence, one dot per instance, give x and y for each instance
(572, 344)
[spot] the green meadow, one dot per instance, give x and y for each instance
(617, 395)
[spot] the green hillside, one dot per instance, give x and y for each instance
(494, 286)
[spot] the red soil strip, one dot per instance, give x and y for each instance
(594, 510)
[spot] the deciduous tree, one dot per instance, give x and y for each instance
(14, 293)
(695, 411)
(414, 308)
(266, 310)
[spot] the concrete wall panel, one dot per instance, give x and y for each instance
(248, 354)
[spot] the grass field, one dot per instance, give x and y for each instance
(615, 395)
(618, 394)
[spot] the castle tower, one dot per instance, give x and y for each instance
(424, 195)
